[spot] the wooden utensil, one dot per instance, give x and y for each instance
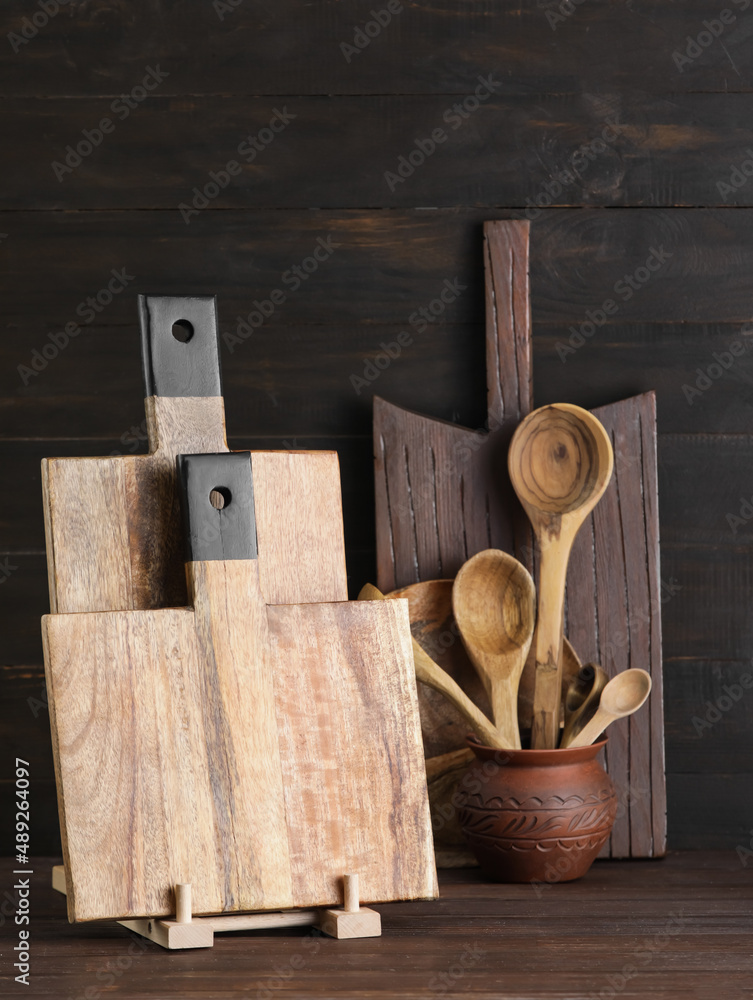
(428, 474)
(256, 752)
(560, 463)
(113, 525)
(582, 699)
(622, 696)
(429, 673)
(494, 601)
(434, 627)
(443, 727)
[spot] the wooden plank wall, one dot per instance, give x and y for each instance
(667, 177)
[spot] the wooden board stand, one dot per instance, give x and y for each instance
(186, 931)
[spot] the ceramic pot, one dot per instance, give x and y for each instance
(536, 815)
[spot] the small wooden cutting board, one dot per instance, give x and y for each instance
(113, 525)
(257, 752)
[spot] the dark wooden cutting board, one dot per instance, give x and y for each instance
(443, 494)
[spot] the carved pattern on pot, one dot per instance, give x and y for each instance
(505, 822)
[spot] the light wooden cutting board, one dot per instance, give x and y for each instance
(113, 525)
(257, 752)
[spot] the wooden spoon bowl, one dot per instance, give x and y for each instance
(560, 463)
(494, 601)
(561, 458)
(622, 696)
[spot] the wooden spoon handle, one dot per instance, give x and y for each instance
(547, 690)
(585, 711)
(591, 730)
(504, 699)
(431, 674)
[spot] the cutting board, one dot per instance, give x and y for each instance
(443, 494)
(113, 524)
(258, 752)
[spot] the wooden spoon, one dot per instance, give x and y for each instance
(494, 601)
(622, 696)
(429, 673)
(582, 699)
(560, 463)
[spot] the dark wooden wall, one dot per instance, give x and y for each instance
(665, 179)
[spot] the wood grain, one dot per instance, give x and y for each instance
(601, 149)
(442, 50)
(114, 537)
(211, 747)
(614, 612)
(353, 770)
(299, 527)
(695, 907)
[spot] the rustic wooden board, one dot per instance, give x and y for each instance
(284, 49)
(443, 492)
(653, 152)
(113, 525)
(258, 753)
(613, 617)
(434, 514)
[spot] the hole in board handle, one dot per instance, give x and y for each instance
(182, 330)
(220, 497)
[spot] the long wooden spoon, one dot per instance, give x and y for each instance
(428, 672)
(560, 463)
(494, 600)
(582, 699)
(622, 696)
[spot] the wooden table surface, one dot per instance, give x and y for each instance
(675, 928)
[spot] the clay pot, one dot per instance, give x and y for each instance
(536, 815)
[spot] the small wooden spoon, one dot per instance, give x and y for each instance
(622, 696)
(582, 699)
(560, 463)
(494, 601)
(429, 673)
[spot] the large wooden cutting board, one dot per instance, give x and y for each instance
(113, 525)
(443, 494)
(258, 752)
